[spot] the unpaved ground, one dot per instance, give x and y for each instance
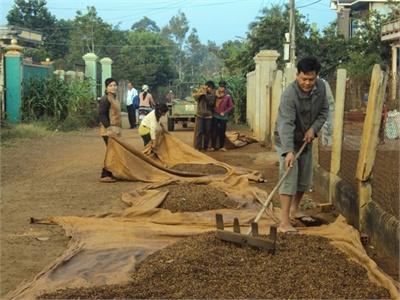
(58, 175)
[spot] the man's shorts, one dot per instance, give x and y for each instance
(300, 175)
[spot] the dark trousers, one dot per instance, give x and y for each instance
(202, 133)
(131, 115)
(104, 172)
(218, 133)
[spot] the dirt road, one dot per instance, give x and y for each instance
(58, 175)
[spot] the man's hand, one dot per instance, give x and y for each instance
(222, 114)
(289, 160)
(309, 136)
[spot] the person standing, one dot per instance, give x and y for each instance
(110, 119)
(302, 111)
(132, 92)
(205, 98)
(223, 105)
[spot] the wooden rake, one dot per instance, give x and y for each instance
(252, 238)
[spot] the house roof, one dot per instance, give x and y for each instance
(8, 32)
(352, 2)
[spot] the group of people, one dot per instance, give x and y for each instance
(213, 108)
(302, 112)
(134, 101)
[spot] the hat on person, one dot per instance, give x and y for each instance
(109, 80)
(222, 83)
(145, 88)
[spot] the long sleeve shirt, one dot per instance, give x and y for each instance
(150, 122)
(297, 113)
(224, 106)
(205, 105)
(129, 96)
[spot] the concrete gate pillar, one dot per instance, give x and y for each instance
(90, 70)
(106, 63)
(13, 71)
(265, 66)
(60, 74)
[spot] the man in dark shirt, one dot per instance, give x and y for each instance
(205, 107)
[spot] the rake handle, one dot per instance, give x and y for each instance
(266, 203)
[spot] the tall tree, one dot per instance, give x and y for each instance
(31, 14)
(146, 58)
(89, 34)
(34, 15)
(145, 24)
(177, 28)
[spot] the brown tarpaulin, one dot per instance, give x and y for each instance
(105, 249)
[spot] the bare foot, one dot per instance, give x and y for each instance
(287, 229)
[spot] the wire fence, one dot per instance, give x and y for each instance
(386, 171)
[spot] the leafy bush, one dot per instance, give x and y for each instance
(59, 102)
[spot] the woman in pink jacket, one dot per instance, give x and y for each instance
(223, 105)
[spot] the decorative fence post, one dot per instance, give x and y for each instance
(265, 66)
(105, 71)
(13, 71)
(337, 139)
(60, 74)
(369, 140)
(49, 64)
(90, 70)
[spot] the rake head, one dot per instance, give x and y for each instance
(252, 239)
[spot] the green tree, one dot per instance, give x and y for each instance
(177, 29)
(146, 58)
(88, 34)
(34, 15)
(145, 24)
(31, 14)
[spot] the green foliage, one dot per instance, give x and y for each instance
(64, 105)
(45, 98)
(360, 64)
(89, 33)
(31, 14)
(177, 29)
(34, 15)
(145, 24)
(151, 64)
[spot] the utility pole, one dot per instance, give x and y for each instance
(292, 32)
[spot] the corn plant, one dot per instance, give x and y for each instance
(59, 102)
